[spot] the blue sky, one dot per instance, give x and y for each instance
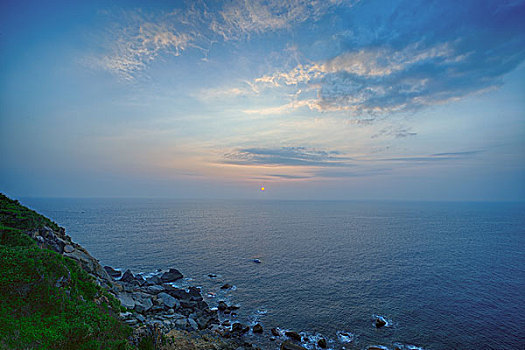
(419, 100)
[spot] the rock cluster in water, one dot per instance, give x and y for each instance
(155, 306)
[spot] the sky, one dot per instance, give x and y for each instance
(316, 99)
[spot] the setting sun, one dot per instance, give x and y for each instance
(262, 188)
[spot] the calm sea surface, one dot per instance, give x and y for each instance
(445, 275)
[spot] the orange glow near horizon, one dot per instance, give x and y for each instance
(262, 188)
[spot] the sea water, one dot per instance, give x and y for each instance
(443, 275)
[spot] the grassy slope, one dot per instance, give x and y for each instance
(38, 312)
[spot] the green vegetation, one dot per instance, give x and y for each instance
(46, 300)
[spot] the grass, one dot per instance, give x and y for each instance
(46, 300)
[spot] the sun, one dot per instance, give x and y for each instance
(262, 188)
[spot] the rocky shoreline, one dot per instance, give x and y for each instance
(156, 307)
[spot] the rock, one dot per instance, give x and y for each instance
(143, 305)
(155, 289)
(139, 280)
(171, 276)
(257, 328)
(126, 300)
(288, 345)
(373, 347)
(88, 263)
(181, 322)
(321, 343)
(222, 306)
(257, 261)
(238, 327)
(195, 293)
(127, 276)
(140, 318)
(212, 275)
(234, 307)
(193, 324)
(293, 335)
(275, 332)
(380, 322)
(111, 271)
(226, 286)
(153, 280)
(68, 248)
(168, 300)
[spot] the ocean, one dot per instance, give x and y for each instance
(443, 275)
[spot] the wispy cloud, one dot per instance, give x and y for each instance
(286, 156)
(241, 18)
(138, 37)
(436, 157)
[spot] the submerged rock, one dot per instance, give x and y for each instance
(288, 345)
(226, 286)
(275, 332)
(380, 322)
(257, 328)
(293, 335)
(171, 275)
(321, 343)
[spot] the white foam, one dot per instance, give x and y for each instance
(388, 322)
(345, 337)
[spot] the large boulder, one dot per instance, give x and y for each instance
(127, 276)
(143, 305)
(171, 275)
(169, 301)
(126, 300)
(111, 271)
(293, 335)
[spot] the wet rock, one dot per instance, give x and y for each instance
(226, 286)
(288, 345)
(169, 301)
(275, 332)
(239, 328)
(127, 276)
(257, 261)
(222, 306)
(153, 280)
(139, 280)
(112, 272)
(171, 275)
(379, 322)
(321, 343)
(293, 335)
(68, 248)
(212, 275)
(195, 293)
(257, 328)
